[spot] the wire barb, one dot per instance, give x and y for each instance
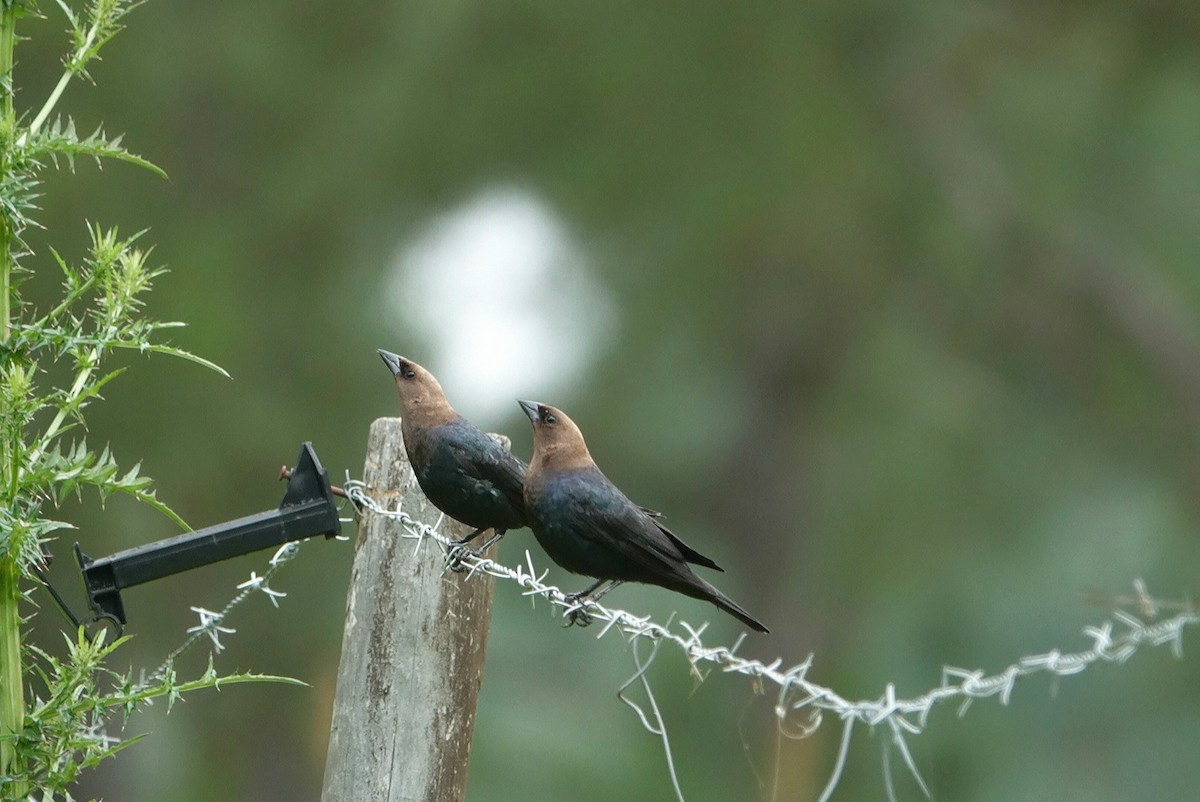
(211, 623)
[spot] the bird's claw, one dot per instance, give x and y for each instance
(578, 617)
(577, 614)
(455, 556)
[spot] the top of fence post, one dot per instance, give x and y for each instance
(412, 651)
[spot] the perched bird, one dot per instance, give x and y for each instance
(463, 471)
(589, 527)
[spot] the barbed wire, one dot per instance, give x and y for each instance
(1113, 641)
(212, 624)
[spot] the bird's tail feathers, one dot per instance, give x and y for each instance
(730, 606)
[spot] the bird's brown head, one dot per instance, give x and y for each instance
(421, 397)
(557, 441)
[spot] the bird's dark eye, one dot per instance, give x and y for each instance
(548, 417)
(409, 374)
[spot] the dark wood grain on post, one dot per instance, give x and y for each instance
(412, 651)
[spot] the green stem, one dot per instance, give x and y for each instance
(8, 38)
(47, 438)
(12, 696)
(5, 281)
(76, 63)
(48, 107)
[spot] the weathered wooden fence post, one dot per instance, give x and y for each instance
(412, 652)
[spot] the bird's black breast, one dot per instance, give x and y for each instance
(468, 475)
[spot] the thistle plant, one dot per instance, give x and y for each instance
(45, 740)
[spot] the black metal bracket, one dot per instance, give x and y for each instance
(307, 510)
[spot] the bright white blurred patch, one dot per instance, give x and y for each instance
(503, 300)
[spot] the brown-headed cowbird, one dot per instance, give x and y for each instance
(589, 527)
(461, 470)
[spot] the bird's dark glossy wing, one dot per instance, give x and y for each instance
(689, 554)
(482, 458)
(612, 523)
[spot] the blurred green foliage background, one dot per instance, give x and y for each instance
(902, 328)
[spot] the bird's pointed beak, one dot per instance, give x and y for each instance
(393, 361)
(531, 409)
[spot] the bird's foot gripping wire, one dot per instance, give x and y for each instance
(577, 614)
(577, 603)
(456, 554)
(459, 551)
